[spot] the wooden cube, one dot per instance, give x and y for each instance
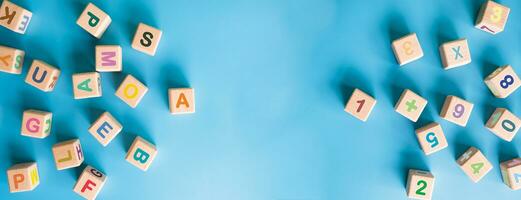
(492, 17)
(410, 105)
(36, 123)
(86, 85)
(23, 177)
(141, 153)
(11, 60)
(131, 91)
(146, 39)
(503, 81)
(360, 105)
(94, 20)
(456, 110)
(42, 76)
(431, 138)
(407, 49)
(105, 128)
(67, 154)
(420, 184)
(504, 124)
(109, 58)
(182, 100)
(14, 17)
(90, 183)
(455, 54)
(511, 173)
(474, 164)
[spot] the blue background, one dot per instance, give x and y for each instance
(271, 79)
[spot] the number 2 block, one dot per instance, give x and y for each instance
(11, 60)
(86, 85)
(36, 123)
(90, 183)
(455, 54)
(94, 20)
(456, 110)
(360, 105)
(511, 173)
(431, 138)
(141, 153)
(146, 39)
(420, 184)
(410, 105)
(503, 81)
(42, 76)
(492, 17)
(407, 49)
(14, 17)
(474, 164)
(504, 124)
(23, 177)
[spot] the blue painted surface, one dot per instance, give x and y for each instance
(271, 80)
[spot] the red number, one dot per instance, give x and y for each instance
(486, 28)
(361, 102)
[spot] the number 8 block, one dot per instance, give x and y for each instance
(503, 81)
(420, 184)
(474, 164)
(492, 17)
(360, 105)
(504, 124)
(431, 138)
(456, 110)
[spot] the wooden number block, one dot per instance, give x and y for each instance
(431, 138)
(146, 39)
(141, 153)
(94, 20)
(407, 49)
(36, 123)
(504, 124)
(511, 173)
(503, 81)
(42, 76)
(456, 110)
(455, 54)
(90, 183)
(23, 177)
(105, 128)
(131, 91)
(360, 105)
(108, 58)
(420, 184)
(67, 154)
(492, 17)
(182, 100)
(86, 85)
(410, 105)
(474, 164)
(11, 60)
(14, 17)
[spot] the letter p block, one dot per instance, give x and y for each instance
(141, 153)
(23, 177)
(94, 20)
(36, 123)
(105, 128)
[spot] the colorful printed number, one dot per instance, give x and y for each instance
(497, 12)
(407, 46)
(508, 125)
(459, 110)
(423, 185)
(476, 167)
(486, 28)
(361, 102)
(517, 177)
(432, 139)
(507, 81)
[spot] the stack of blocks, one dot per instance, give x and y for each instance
(131, 91)
(105, 128)
(503, 81)
(511, 173)
(141, 153)
(11, 60)
(360, 105)
(42, 76)
(23, 177)
(474, 164)
(504, 124)
(36, 123)
(420, 184)
(67, 154)
(181, 100)
(492, 17)
(94, 20)
(89, 183)
(407, 49)
(14, 17)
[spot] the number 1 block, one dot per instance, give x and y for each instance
(42, 76)
(36, 123)
(141, 153)
(14, 17)
(181, 100)
(456, 110)
(474, 164)
(11, 60)
(67, 154)
(90, 183)
(23, 177)
(504, 124)
(410, 105)
(86, 85)
(431, 138)
(503, 81)
(105, 128)
(360, 105)
(455, 54)
(492, 17)
(420, 184)
(511, 173)
(407, 49)
(94, 20)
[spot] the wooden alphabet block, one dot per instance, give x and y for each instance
(141, 153)
(455, 54)
(131, 91)
(410, 105)
(504, 124)
(420, 184)
(94, 20)
(67, 154)
(360, 105)
(431, 138)
(36, 123)
(503, 81)
(146, 39)
(492, 17)
(42, 76)
(109, 58)
(105, 128)
(182, 100)
(23, 177)
(407, 49)
(90, 183)
(11, 60)
(456, 110)
(14, 17)
(474, 164)
(86, 85)
(511, 173)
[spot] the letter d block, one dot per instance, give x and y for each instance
(94, 20)
(67, 154)
(11, 60)
(182, 100)
(23, 177)
(105, 128)
(42, 76)
(146, 39)
(108, 58)
(14, 17)
(86, 85)
(90, 183)
(36, 123)
(131, 91)
(141, 153)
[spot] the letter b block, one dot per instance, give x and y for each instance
(42, 76)
(11, 60)
(86, 85)
(131, 91)
(23, 177)
(146, 39)
(94, 20)
(141, 153)
(105, 128)
(182, 100)
(36, 123)
(108, 58)
(14, 17)
(67, 154)
(90, 183)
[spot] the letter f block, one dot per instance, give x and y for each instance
(90, 183)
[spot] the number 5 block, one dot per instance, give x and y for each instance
(504, 124)
(407, 49)
(456, 110)
(455, 54)
(360, 105)
(492, 17)
(420, 184)
(474, 164)
(503, 81)
(431, 138)
(511, 173)
(11, 60)
(410, 105)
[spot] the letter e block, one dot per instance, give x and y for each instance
(511, 173)
(90, 183)
(455, 54)
(360, 105)
(407, 49)
(131, 91)
(23, 177)
(410, 105)
(420, 184)
(105, 128)
(108, 58)
(141, 153)
(36, 123)
(86, 85)
(42, 76)
(474, 164)
(456, 110)
(146, 39)
(14, 17)
(492, 17)
(504, 124)
(182, 100)
(431, 138)
(11, 60)
(503, 81)
(94, 20)
(67, 154)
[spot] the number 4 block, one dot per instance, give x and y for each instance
(456, 110)
(503, 81)
(360, 105)
(474, 164)
(420, 184)
(511, 173)
(492, 17)
(410, 105)
(504, 124)
(431, 138)
(407, 49)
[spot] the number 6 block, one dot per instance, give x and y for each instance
(431, 138)
(504, 124)
(456, 110)
(511, 173)
(492, 17)
(407, 49)
(360, 105)
(503, 81)
(474, 164)
(420, 184)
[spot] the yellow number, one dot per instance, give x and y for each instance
(497, 12)
(407, 46)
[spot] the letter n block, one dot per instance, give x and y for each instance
(23, 177)
(105, 128)
(42, 76)
(11, 60)
(182, 100)
(90, 183)
(146, 39)
(511, 173)
(94, 20)
(474, 164)
(67, 154)
(14, 17)
(108, 58)
(86, 85)
(504, 124)
(420, 184)
(36, 123)
(131, 91)
(141, 153)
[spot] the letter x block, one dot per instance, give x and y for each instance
(182, 100)
(504, 124)
(11, 60)
(511, 172)
(131, 91)
(14, 17)
(105, 128)
(90, 183)
(455, 54)
(410, 105)
(108, 58)
(94, 20)
(67, 154)
(141, 153)
(42, 76)
(36, 123)
(86, 85)
(420, 184)
(146, 39)
(407, 49)
(431, 138)
(474, 164)
(492, 17)
(23, 177)
(456, 110)
(360, 105)
(503, 81)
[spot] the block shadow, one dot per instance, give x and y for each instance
(396, 28)
(473, 9)
(347, 79)
(462, 141)
(142, 13)
(171, 76)
(134, 127)
(411, 158)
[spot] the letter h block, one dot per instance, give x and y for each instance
(90, 183)
(141, 153)
(36, 123)
(42, 76)
(11, 60)
(14, 17)
(94, 20)
(67, 154)
(108, 58)
(105, 128)
(23, 177)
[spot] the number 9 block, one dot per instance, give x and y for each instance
(474, 164)
(503, 81)
(456, 110)
(360, 105)
(511, 173)
(407, 49)
(431, 138)
(420, 184)
(492, 17)
(504, 124)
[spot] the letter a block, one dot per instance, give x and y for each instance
(456, 110)
(86, 85)
(455, 54)
(146, 39)
(511, 173)
(504, 124)
(431, 138)
(503, 81)
(36, 123)
(108, 58)
(182, 100)
(407, 49)
(492, 17)
(105, 128)
(94, 20)
(67, 154)
(141, 153)
(14, 17)
(474, 164)
(131, 91)
(11, 60)
(410, 105)
(42, 76)
(360, 105)
(23, 177)
(420, 184)
(90, 183)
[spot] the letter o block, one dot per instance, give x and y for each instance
(94, 20)
(11, 60)
(14, 17)
(42, 76)
(146, 39)
(86, 85)
(90, 183)
(105, 128)
(141, 153)
(36, 123)
(23, 177)
(181, 100)
(67, 154)
(108, 58)
(131, 91)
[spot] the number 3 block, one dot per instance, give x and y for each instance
(407, 49)
(492, 17)
(456, 110)
(503, 81)
(511, 173)
(11, 60)
(360, 105)
(410, 105)
(431, 138)
(474, 164)
(86, 85)
(455, 54)
(420, 184)
(504, 124)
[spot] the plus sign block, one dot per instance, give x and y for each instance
(511, 173)
(407, 49)
(86, 85)
(105, 128)
(67, 154)
(141, 153)
(455, 54)
(36, 124)
(431, 138)
(90, 183)
(492, 17)
(14, 17)
(131, 91)
(360, 105)
(109, 58)
(420, 184)
(456, 110)
(504, 124)
(11, 60)
(410, 105)
(503, 81)
(146, 39)
(23, 177)
(94, 20)
(181, 100)
(42, 76)
(474, 164)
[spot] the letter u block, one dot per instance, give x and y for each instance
(42, 76)
(182, 100)
(131, 91)
(11, 60)
(23, 177)
(105, 128)
(36, 123)
(90, 183)
(108, 58)
(86, 85)
(94, 20)
(67, 154)
(141, 153)
(14, 17)
(146, 39)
